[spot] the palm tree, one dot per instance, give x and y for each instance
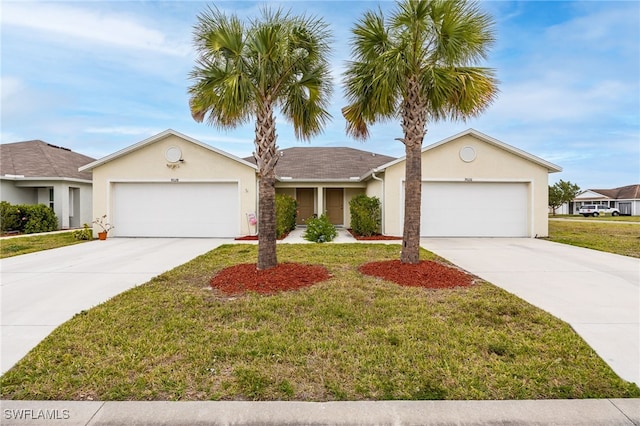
(247, 70)
(418, 66)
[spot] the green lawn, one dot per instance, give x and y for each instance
(350, 338)
(32, 243)
(619, 238)
(607, 218)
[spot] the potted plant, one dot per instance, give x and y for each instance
(104, 225)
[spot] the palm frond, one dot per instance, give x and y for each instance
(458, 93)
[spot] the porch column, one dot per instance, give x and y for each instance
(61, 204)
(320, 201)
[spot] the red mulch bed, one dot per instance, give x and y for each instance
(426, 274)
(243, 278)
(377, 237)
(284, 277)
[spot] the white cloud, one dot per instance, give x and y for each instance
(10, 87)
(556, 100)
(122, 130)
(213, 138)
(84, 25)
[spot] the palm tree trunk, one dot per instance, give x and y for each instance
(266, 157)
(412, 201)
(413, 124)
(267, 240)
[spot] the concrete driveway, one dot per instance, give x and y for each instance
(597, 293)
(42, 290)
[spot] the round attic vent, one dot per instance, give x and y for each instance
(173, 154)
(467, 154)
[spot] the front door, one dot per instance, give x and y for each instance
(306, 205)
(335, 205)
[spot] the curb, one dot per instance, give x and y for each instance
(539, 412)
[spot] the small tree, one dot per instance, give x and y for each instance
(244, 71)
(418, 65)
(562, 192)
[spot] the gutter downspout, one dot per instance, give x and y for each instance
(373, 175)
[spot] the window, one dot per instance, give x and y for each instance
(51, 198)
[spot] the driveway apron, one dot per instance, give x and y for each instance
(597, 293)
(42, 290)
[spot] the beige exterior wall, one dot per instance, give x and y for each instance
(148, 164)
(492, 164)
(291, 192)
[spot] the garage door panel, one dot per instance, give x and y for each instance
(176, 209)
(474, 209)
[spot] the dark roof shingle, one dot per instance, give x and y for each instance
(629, 192)
(40, 159)
(326, 163)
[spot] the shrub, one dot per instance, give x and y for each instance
(286, 208)
(86, 233)
(9, 217)
(27, 218)
(320, 230)
(365, 215)
(38, 218)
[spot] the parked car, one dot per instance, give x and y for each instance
(597, 209)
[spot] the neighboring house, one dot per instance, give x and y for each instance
(625, 198)
(171, 185)
(35, 172)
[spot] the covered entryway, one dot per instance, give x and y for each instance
(335, 205)
(177, 209)
(475, 209)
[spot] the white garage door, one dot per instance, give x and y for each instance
(474, 209)
(176, 209)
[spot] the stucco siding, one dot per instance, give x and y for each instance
(491, 164)
(14, 195)
(148, 164)
(71, 212)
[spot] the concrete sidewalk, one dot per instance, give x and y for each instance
(596, 412)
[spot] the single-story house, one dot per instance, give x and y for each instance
(36, 172)
(625, 198)
(171, 185)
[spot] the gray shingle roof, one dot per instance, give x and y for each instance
(40, 159)
(326, 163)
(629, 192)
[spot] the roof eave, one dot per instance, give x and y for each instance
(47, 178)
(552, 168)
(156, 138)
(298, 180)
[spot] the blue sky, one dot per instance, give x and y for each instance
(97, 77)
